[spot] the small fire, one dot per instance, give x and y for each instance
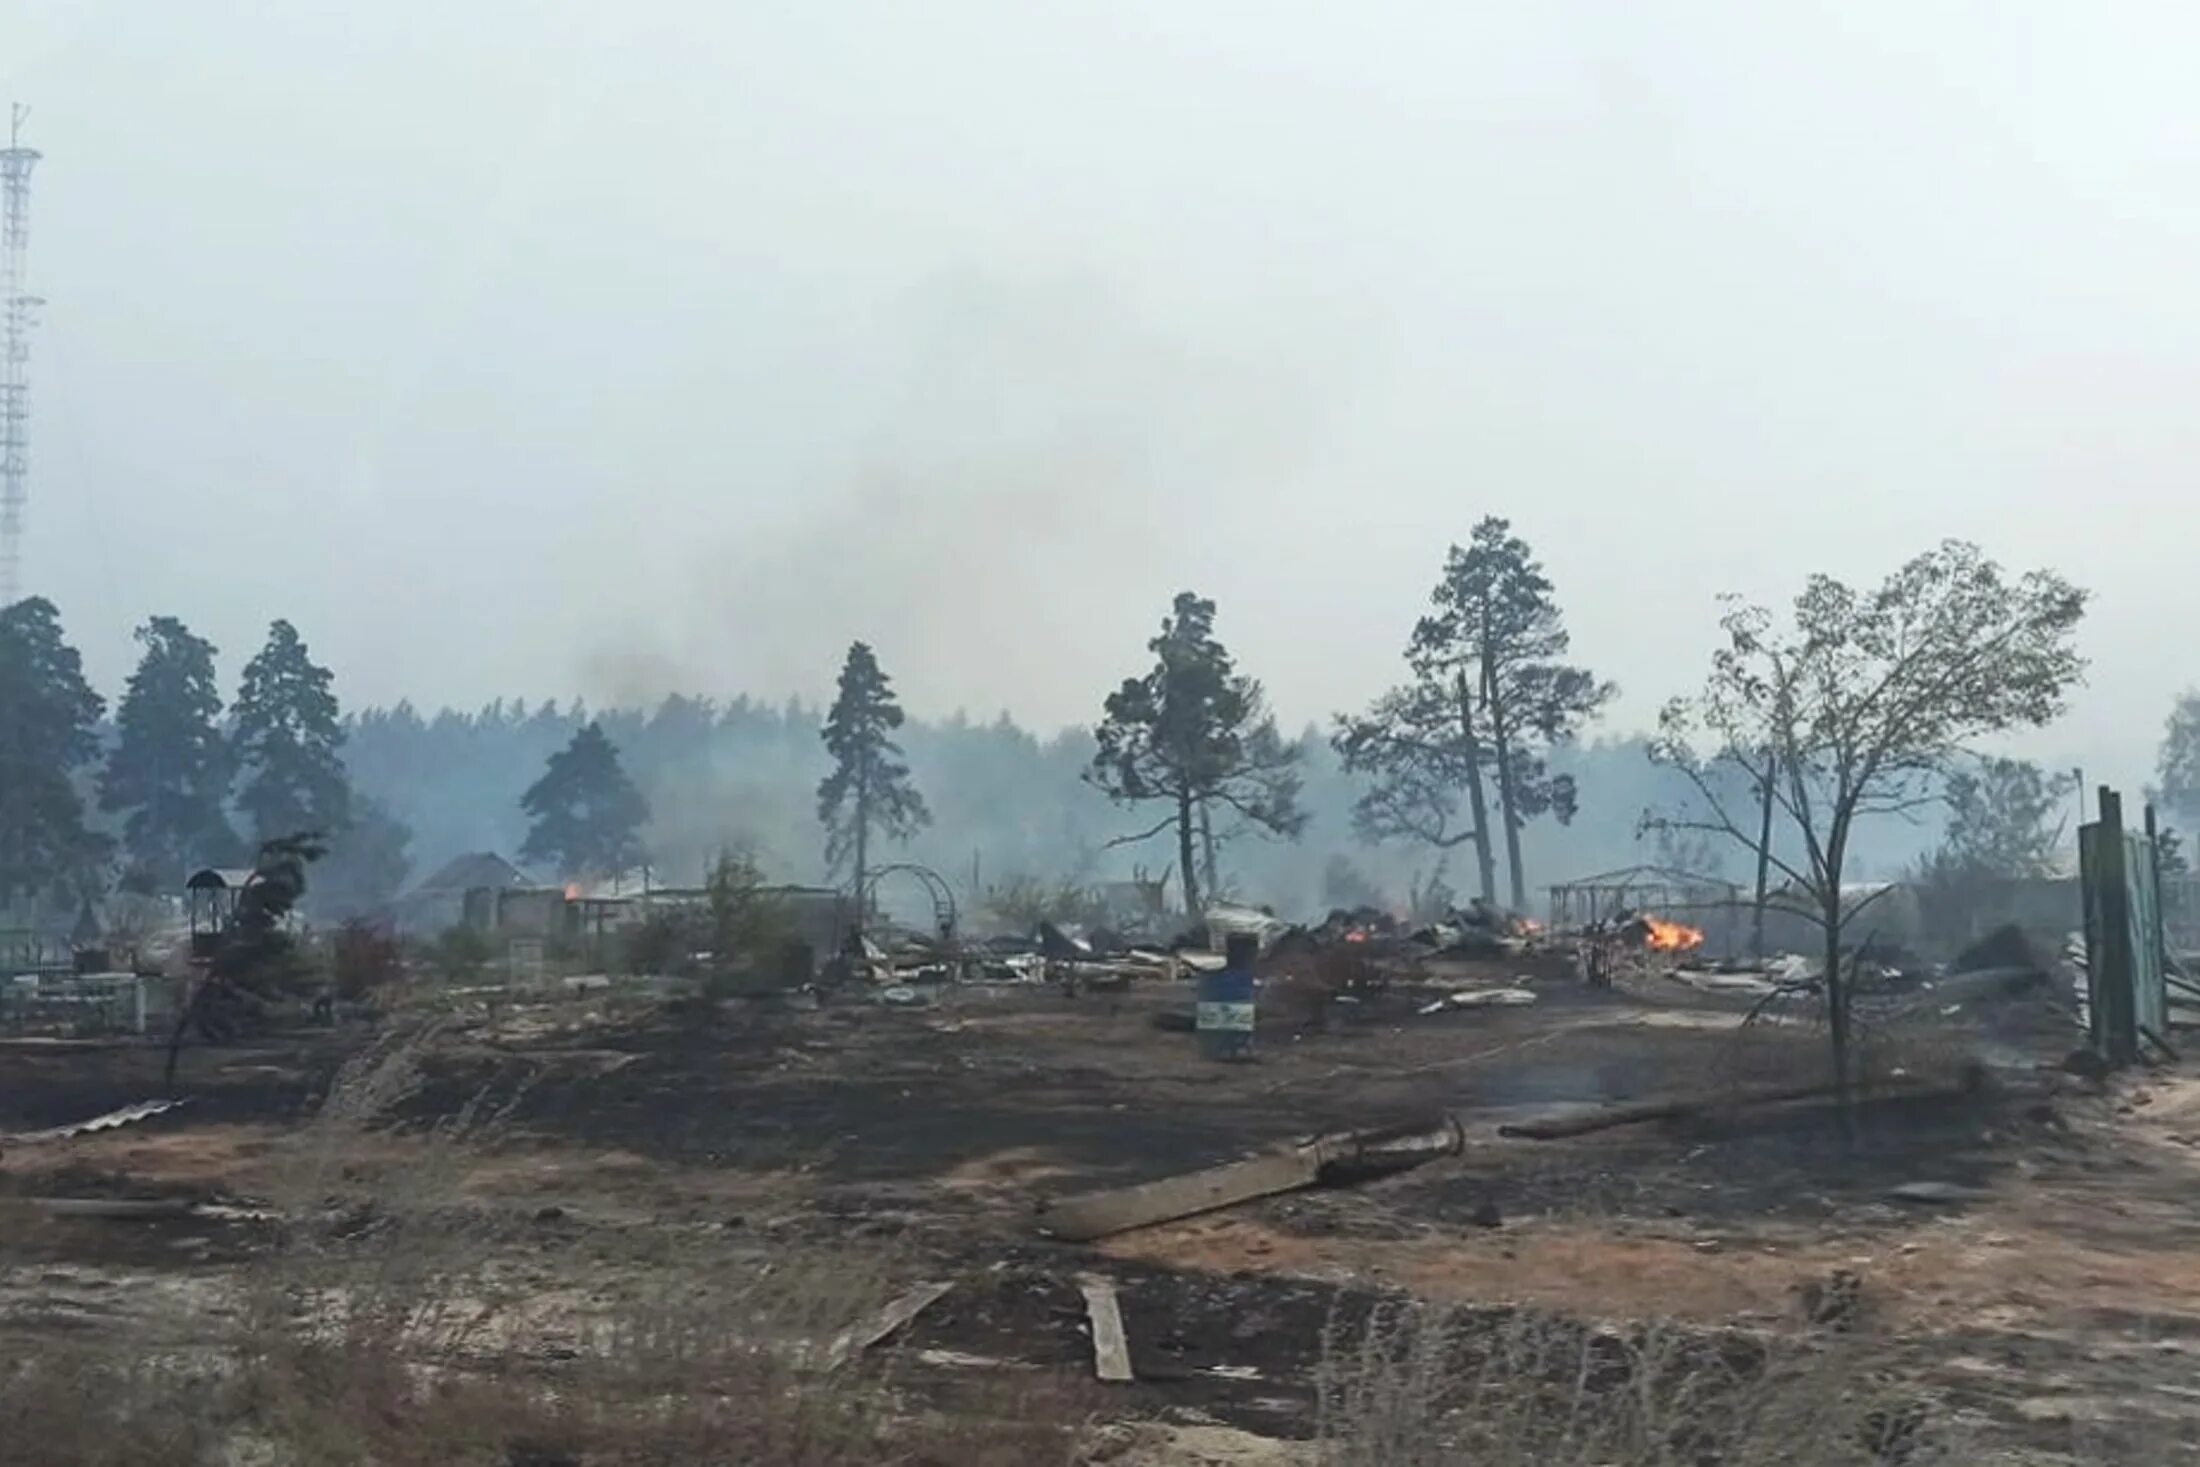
(1670, 937)
(1357, 934)
(572, 891)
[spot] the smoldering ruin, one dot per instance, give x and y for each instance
(545, 1157)
(1251, 739)
(1490, 1146)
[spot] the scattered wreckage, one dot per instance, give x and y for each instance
(128, 1115)
(1354, 949)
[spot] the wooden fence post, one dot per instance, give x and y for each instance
(2117, 1023)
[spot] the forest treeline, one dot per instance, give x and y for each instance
(744, 772)
(1482, 771)
(1485, 758)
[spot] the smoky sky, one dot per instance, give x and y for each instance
(541, 348)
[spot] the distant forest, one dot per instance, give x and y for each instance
(1006, 802)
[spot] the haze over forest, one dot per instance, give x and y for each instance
(549, 350)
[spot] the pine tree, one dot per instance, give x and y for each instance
(286, 738)
(170, 766)
(587, 815)
(1488, 700)
(1194, 733)
(48, 730)
(869, 789)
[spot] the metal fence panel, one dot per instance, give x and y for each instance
(2127, 985)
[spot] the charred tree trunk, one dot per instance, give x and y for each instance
(1184, 817)
(863, 844)
(1837, 999)
(1207, 851)
(1764, 856)
(1837, 984)
(175, 1038)
(1501, 737)
(1476, 803)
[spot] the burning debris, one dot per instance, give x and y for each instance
(1659, 935)
(1640, 937)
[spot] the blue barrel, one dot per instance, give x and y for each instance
(1225, 1014)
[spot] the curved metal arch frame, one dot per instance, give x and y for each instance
(946, 917)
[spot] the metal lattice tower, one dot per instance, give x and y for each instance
(18, 311)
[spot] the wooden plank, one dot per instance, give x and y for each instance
(886, 1322)
(1098, 1214)
(1349, 1157)
(2116, 1016)
(1111, 1349)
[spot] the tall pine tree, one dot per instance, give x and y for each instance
(170, 766)
(48, 730)
(587, 814)
(287, 737)
(1497, 608)
(869, 790)
(1489, 700)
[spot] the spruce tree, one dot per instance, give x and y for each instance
(587, 815)
(49, 719)
(287, 738)
(170, 766)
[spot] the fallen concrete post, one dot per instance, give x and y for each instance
(1585, 1122)
(1342, 1159)
(1111, 1350)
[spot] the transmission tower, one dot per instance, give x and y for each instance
(17, 313)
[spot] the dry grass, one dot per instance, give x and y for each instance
(1425, 1386)
(95, 1406)
(345, 1407)
(395, 1324)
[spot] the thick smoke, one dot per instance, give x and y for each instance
(1011, 507)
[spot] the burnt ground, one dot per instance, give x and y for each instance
(2053, 1306)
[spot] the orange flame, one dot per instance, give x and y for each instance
(572, 891)
(1670, 937)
